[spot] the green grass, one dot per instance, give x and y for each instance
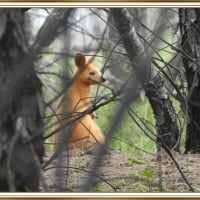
(128, 131)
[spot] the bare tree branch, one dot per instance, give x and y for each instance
(53, 26)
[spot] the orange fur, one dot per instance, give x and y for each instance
(77, 100)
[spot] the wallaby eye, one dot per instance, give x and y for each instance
(92, 73)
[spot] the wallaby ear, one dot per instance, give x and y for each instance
(80, 60)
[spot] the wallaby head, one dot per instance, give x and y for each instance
(87, 72)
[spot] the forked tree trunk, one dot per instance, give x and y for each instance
(21, 139)
(190, 31)
(152, 82)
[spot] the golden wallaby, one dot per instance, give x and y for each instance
(77, 100)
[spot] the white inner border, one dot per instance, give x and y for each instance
(100, 4)
(97, 4)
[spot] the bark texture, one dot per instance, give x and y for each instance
(189, 24)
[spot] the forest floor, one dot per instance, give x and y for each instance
(125, 172)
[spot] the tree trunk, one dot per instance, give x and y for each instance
(152, 82)
(21, 139)
(189, 24)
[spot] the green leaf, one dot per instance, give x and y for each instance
(135, 161)
(147, 174)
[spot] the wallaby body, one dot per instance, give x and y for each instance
(77, 100)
